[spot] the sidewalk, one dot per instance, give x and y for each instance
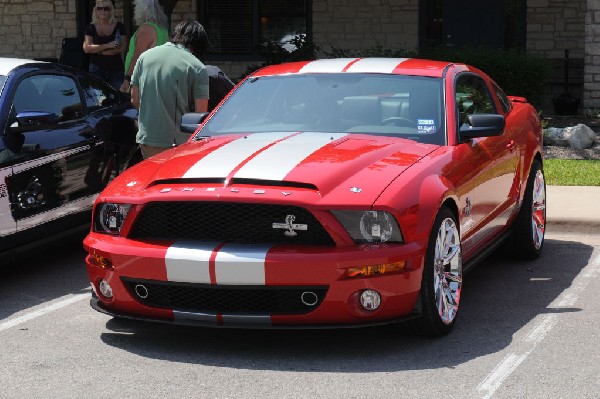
(573, 209)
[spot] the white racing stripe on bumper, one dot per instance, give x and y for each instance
(235, 264)
(188, 262)
(222, 161)
(239, 264)
(278, 161)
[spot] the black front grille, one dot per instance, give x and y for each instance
(205, 298)
(227, 222)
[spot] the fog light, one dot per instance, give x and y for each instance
(370, 299)
(105, 289)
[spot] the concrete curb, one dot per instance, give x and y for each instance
(574, 209)
(572, 226)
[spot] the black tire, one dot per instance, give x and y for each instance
(529, 229)
(442, 279)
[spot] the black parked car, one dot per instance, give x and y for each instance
(64, 134)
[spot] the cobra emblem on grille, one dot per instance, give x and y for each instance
(290, 226)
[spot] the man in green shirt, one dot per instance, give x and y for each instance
(164, 80)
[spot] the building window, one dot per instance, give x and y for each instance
(462, 23)
(238, 27)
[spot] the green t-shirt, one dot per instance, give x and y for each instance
(162, 36)
(169, 78)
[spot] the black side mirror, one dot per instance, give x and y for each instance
(191, 121)
(482, 125)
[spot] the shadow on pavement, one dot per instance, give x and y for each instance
(42, 275)
(500, 297)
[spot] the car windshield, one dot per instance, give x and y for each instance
(380, 104)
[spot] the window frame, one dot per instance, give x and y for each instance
(253, 54)
(483, 83)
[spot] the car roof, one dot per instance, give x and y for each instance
(8, 64)
(401, 66)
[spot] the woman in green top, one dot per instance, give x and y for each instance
(152, 31)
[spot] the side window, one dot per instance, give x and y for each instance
(472, 97)
(28, 97)
(504, 101)
(60, 96)
(100, 95)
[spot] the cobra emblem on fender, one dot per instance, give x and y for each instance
(290, 226)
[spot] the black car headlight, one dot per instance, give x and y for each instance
(109, 217)
(370, 226)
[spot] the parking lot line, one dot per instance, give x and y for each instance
(43, 309)
(539, 331)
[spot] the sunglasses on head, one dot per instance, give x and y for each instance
(102, 8)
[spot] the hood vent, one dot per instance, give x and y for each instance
(248, 182)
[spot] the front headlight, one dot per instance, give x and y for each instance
(370, 226)
(109, 217)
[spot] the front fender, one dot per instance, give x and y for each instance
(415, 202)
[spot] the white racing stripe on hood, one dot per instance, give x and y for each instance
(222, 161)
(376, 65)
(277, 161)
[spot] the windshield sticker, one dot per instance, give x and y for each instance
(426, 125)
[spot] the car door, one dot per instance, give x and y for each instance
(48, 116)
(492, 164)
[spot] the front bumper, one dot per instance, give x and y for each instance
(251, 286)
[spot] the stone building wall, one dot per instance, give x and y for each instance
(34, 28)
(591, 94)
(359, 24)
(554, 26)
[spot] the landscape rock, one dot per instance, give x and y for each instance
(578, 137)
(555, 136)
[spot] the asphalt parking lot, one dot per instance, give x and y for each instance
(526, 329)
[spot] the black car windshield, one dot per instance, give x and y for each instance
(380, 104)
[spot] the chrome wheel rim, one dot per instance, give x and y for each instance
(538, 214)
(447, 271)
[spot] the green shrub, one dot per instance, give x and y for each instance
(517, 72)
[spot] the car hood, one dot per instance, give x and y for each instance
(324, 163)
